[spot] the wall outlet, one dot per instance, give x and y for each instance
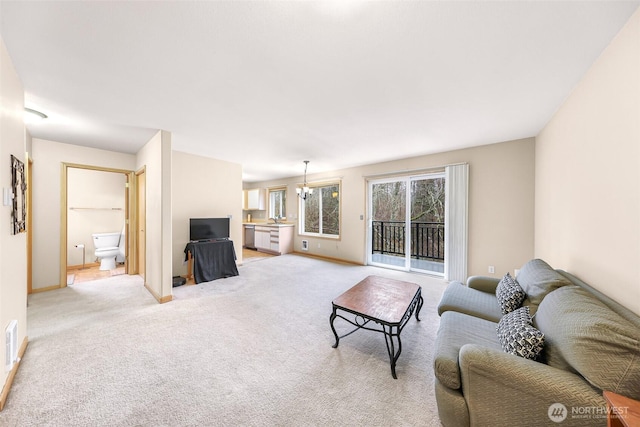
(492, 269)
(305, 245)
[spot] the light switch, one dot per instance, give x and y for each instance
(7, 195)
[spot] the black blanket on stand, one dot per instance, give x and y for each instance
(212, 260)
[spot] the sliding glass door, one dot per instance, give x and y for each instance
(407, 222)
(388, 216)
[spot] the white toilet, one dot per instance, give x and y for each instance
(109, 248)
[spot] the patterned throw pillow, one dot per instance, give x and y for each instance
(509, 294)
(520, 316)
(517, 335)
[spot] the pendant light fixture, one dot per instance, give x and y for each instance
(305, 190)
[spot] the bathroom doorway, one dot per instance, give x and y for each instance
(94, 201)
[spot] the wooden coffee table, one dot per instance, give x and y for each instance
(386, 302)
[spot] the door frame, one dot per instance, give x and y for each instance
(29, 224)
(140, 222)
(129, 202)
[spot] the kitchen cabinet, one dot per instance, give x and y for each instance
(263, 238)
(274, 238)
(254, 199)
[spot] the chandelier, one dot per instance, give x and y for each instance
(305, 190)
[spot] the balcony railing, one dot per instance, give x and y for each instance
(427, 239)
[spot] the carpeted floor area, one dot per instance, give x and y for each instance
(251, 350)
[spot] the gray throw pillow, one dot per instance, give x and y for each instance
(509, 294)
(516, 317)
(518, 337)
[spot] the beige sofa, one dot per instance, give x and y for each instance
(591, 344)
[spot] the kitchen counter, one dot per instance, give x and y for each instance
(269, 237)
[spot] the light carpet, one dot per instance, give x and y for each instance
(251, 350)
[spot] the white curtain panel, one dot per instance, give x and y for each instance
(455, 232)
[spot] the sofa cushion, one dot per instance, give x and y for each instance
(584, 335)
(456, 330)
(517, 335)
(537, 279)
(509, 294)
(463, 299)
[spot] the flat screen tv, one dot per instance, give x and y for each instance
(208, 228)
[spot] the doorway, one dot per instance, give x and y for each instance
(77, 250)
(406, 229)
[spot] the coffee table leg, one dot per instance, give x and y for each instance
(393, 355)
(420, 302)
(331, 319)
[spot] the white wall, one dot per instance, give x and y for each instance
(501, 194)
(204, 188)
(48, 157)
(96, 204)
(588, 175)
(13, 265)
(155, 157)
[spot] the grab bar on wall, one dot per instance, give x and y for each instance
(96, 209)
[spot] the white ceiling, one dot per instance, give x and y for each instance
(268, 84)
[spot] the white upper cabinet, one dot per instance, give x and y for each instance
(254, 199)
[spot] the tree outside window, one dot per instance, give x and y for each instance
(321, 211)
(277, 203)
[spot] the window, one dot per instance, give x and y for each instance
(277, 203)
(320, 212)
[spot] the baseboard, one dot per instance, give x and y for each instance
(79, 267)
(158, 298)
(12, 374)
(328, 258)
(48, 288)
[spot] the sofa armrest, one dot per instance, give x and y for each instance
(483, 283)
(503, 389)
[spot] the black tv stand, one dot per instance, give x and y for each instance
(211, 259)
